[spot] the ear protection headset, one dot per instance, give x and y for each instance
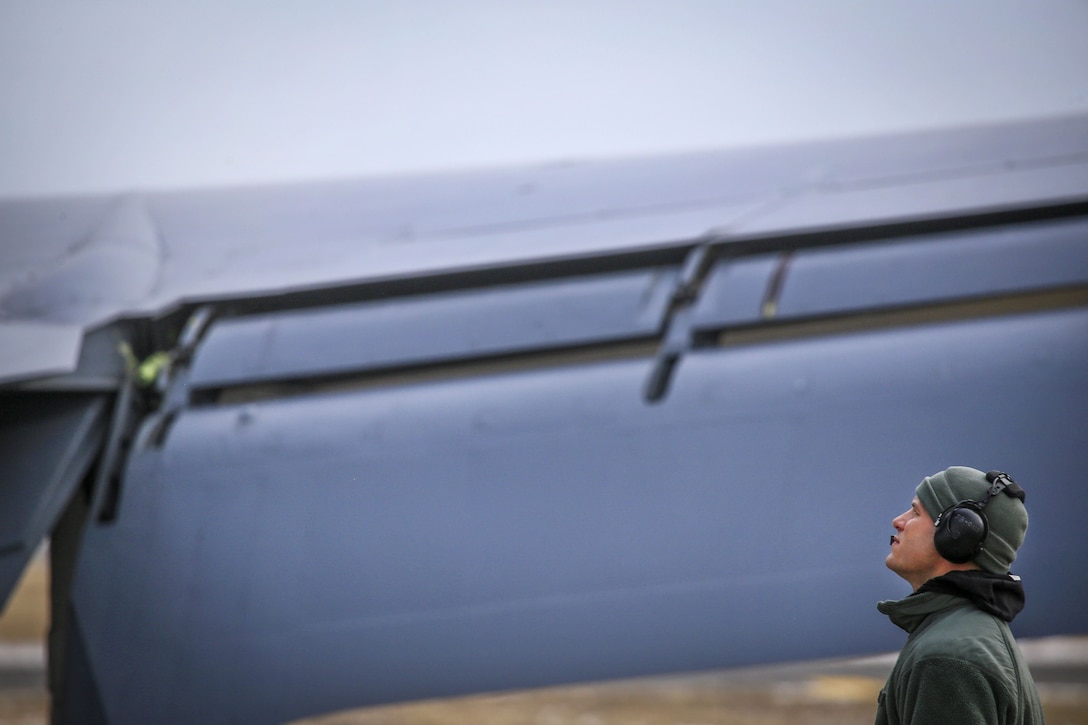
(962, 527)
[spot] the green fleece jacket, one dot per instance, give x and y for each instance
(960, 665)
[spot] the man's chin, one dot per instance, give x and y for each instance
(888, 562)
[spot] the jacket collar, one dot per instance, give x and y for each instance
(1002, 595)
(909, 613)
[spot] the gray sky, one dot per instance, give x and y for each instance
(114, 96)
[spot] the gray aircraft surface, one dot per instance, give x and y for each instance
(308, 447)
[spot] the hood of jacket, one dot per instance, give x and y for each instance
(1001, 595)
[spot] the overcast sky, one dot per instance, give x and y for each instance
(115, 96)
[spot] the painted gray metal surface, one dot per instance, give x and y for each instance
(300, 522)
(33, 350)
(899, 272)
(293, 556)
(431, 329)
(143, 254)
(1009, 260)
(549, 525)
(47, 445)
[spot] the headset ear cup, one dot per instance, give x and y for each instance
(960, 534)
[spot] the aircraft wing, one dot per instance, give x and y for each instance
(313, 446)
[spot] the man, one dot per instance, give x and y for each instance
(960, 663)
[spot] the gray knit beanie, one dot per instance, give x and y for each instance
(1007, 517)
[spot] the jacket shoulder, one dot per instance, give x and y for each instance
(969, 635)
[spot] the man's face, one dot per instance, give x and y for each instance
(913, 555)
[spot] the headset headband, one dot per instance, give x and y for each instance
(1000, 481)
